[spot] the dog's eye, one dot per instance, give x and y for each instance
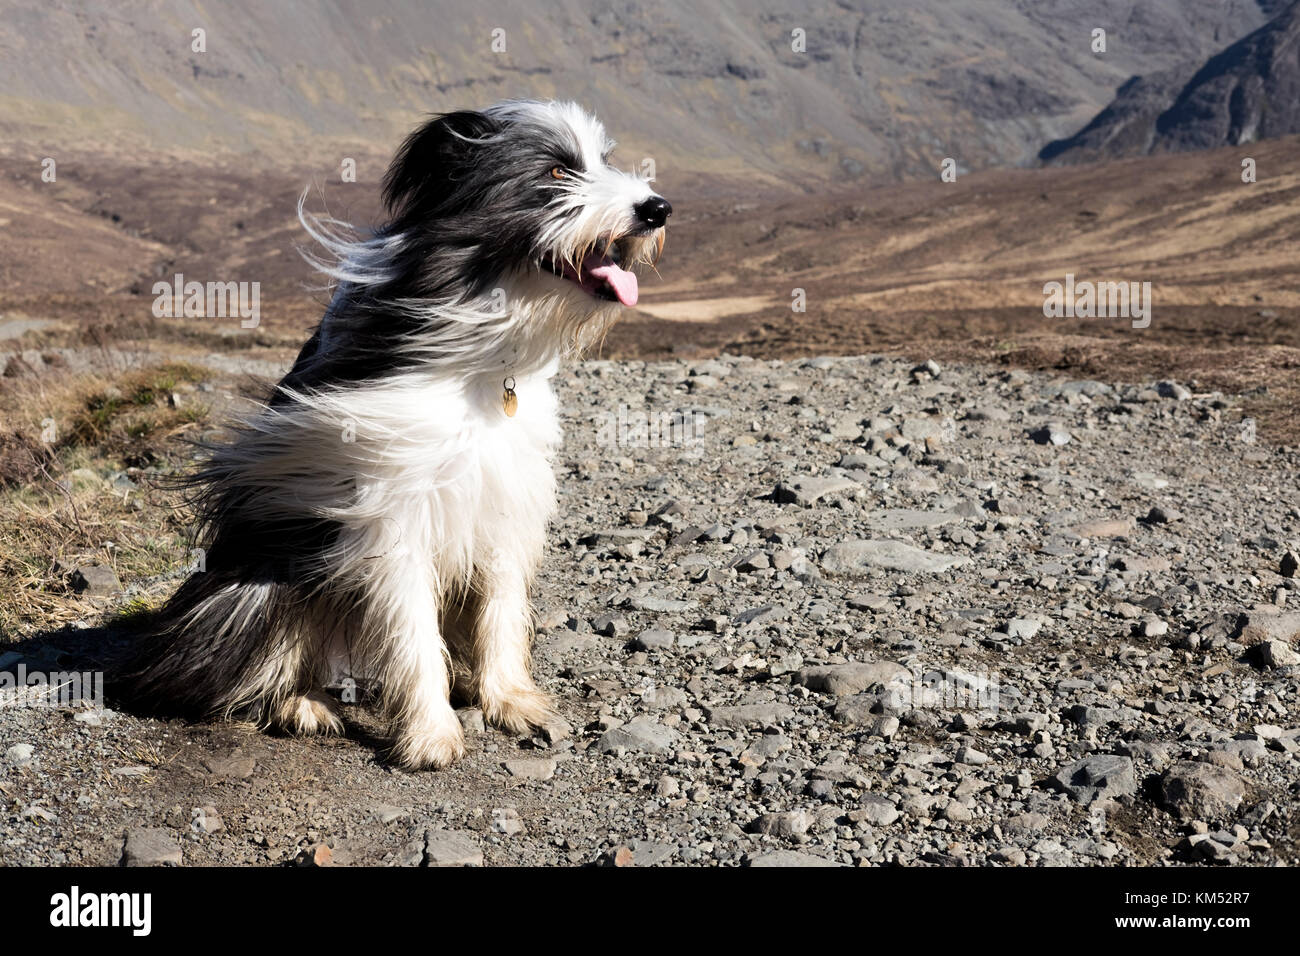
(559, 172)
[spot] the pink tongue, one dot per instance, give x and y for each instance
(620, 280)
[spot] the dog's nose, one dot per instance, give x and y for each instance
(654, 212)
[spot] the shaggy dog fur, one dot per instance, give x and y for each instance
(384, 513)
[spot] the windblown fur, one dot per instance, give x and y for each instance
(382, 516)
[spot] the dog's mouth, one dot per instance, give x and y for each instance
(600, 274)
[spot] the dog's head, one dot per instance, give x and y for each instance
(522, 194)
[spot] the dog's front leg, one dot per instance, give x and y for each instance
(503, 633)
(413, 666)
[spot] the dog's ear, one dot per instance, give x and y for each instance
(427, 167)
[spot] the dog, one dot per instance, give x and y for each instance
(384, 513)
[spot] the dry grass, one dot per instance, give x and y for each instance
(58, 508)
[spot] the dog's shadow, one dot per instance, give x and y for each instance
(72, 664)
(84, 667)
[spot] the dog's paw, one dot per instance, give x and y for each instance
(429, 749)
(520, 711)
(310, 713)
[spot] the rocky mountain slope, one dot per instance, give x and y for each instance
(877, 89)
(1247, 92)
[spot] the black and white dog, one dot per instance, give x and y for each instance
(385, 512)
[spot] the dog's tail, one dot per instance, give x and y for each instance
(220, 648)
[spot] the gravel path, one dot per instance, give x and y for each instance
(837, 611)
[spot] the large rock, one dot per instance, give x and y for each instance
(1276, 654)
(451, 848)
(789, 858)
(643, 735)
(1202, 791)
(1101, 777)
(739, 716)
(1104, 528)
(790, 823)
(1266, 624)
(844, 679)
(855, 557)
(150, 846)
(94, 580)
(809, 489)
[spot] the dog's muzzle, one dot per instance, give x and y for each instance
(653, 212)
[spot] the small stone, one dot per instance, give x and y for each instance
(1104, 528)
(150, 846)
(20, 754)
(789, 858)
(807, 490)
(855, 557)
(505, 820)
(740, 716)
(206, 820)
(973, 757)
(94, 580)
(642, 735)
(471, 720)
(609, 625)
(233, 766)
(1050, 435)
(1277, 654)
(957, 812)
(1022, 627)
(1172, 390)
(525, 769)
(619, 856)
(318, 855)
(451, 848)
(556, 729)
(844, 679)
(785, 824)
(1290, 564)
(1153, 627)
(654, 640)
(876, 810)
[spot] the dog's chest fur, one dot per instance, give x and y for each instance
(447, 474)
